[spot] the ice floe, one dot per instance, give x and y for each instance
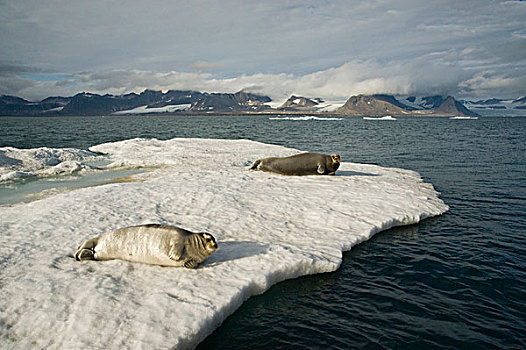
(269, 228)
(305, 118)
(18, 163)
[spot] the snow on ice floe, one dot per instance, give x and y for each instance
(269, 228)
(18, 163)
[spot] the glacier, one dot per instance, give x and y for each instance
(269, 228)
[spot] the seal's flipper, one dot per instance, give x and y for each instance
(321, 169)
(87, 250)
(255, 165)
(85, 254)
(190, 264)
(174, 253)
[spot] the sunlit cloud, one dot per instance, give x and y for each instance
(351, 78)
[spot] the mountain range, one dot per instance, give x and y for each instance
(195, 102)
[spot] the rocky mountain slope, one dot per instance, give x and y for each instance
(498, 106)
(370, 105)
(452, 106)
(240, 101)
(94, 104)
(295, 103)
(183, 101)
(382, 105)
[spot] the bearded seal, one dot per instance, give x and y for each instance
(300, 164)
(151, 244)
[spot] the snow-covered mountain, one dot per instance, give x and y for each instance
(378, 105)
(148, 101)
(177, 101)
(487, 107)
(498, 106)
(383, 105)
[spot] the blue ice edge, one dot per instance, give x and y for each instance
(36, 187)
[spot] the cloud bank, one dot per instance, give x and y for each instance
(330, 49)
(351, 78)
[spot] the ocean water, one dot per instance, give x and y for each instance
(453, 282)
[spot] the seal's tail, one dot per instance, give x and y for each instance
(255, 165)
(87, 250)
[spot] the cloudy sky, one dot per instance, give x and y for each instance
(319, 48)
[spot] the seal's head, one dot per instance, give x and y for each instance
(210, 242)
(335, 158)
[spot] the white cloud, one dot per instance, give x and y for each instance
(351, 78)
(326, 49)
(493, 84)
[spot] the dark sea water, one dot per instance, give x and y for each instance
(457, 281)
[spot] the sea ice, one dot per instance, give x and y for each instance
(305, 118)
(18, 163)
(269, 228)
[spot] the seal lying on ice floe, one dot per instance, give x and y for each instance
(151, 244)
(300, 164)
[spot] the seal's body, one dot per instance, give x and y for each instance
(300, 164)
(151, 244)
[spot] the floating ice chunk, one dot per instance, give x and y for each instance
(18, 163)
(305, 118)
(15, 175)
(268, 227)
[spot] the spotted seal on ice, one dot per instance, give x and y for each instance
(300, 164)
(151, 244)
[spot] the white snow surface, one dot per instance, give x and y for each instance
(330, 106)
(387, 117)
(305, 118)
(325, 106)
(269, 228)
(276, 104)
(165, 109)
(18, 163)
